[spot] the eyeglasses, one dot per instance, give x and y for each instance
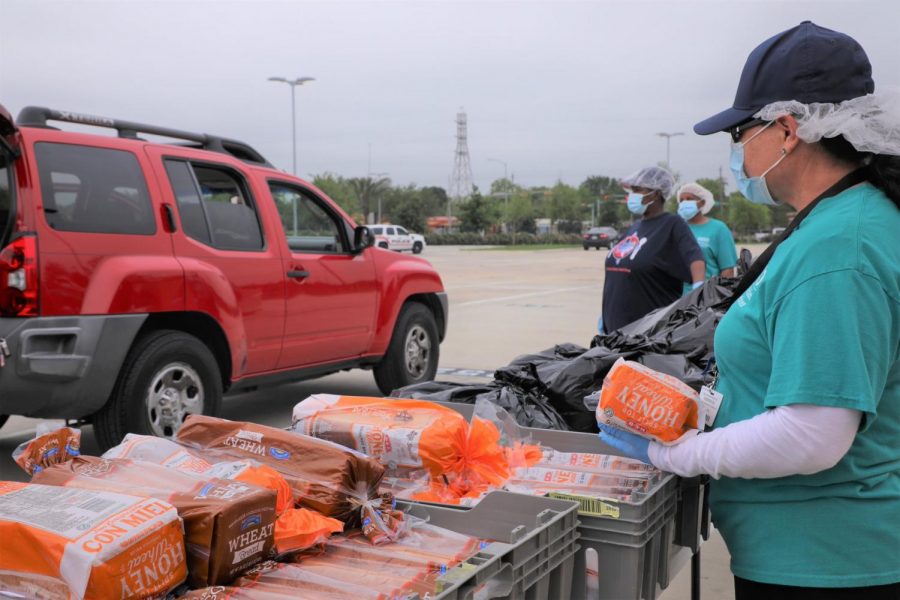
(738, 130)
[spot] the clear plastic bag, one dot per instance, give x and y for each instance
(295, 528)
(54, 443)
(331, 479)
(229, 526)
(648, 403)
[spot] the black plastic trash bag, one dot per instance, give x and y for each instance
(528, 407)
(547, 389)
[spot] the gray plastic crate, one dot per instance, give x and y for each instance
(634, 541)
(534, 538)
(626, 571)
(595, 529)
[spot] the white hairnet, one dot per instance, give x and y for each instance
(701, 192)
(871, 123)
(654, 178)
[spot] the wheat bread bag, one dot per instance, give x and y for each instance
(333, 480)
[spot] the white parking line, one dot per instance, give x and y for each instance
(531, 295)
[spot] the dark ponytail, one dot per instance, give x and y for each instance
(884, 173)
(882, 170)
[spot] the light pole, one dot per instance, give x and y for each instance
(293, 83)
(668, 137)
(380, 177)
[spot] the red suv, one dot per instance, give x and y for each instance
(141, 281)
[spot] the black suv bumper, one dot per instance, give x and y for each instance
(63, 367)
(445, 306)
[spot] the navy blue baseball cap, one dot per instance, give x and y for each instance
(807, 63)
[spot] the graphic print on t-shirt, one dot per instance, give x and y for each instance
(629, 247)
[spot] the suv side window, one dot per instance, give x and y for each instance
(215, 206)
(401, 231)
(376, 230)
(308, 226)
(390, 231)
(93, 190)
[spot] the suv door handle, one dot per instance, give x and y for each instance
(298, 274)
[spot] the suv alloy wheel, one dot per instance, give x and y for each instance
(413, 353)
(166, 377)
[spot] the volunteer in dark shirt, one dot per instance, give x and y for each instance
(646, 270)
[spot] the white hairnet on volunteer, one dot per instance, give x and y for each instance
(654, 178)
(871, 123)
(699, 191)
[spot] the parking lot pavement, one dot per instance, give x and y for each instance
(502, 304)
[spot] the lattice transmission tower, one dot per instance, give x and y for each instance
(461, 179)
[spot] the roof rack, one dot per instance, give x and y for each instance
(37, 116)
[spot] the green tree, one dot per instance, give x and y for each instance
(504, 186)
(520, 213)
(606, 194)
(567, 208)
(540, 200)
(477, 213)
(745, 217)
(367, 191)
(338, 189)
(598, 186)
(406, 206)
(435, 200)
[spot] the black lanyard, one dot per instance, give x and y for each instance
(846, 182)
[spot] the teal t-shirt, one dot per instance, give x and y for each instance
(717, 243)
(821, 325)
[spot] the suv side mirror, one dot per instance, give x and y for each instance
(362, 239)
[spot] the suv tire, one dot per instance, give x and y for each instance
(417, 248)
(383, 245)
(166, 376)
(414, 350)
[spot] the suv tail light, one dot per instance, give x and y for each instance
(19, 278)
(587, 237)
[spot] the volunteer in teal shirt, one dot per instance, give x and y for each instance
(714, 237)
(820, 326)
(805, 449)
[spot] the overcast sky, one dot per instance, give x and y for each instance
(557, 90)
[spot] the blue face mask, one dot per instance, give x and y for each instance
(636, 204)
(753, 189)
(688, 209)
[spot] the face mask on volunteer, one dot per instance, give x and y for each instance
(688, 209)
(753, 189)
(636, 204)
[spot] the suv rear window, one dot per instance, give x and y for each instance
(93, 190)
(215, 206)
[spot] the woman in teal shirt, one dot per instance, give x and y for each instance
(714, 237)
(805, 450)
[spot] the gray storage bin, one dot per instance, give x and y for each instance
(627, 571)
(535, 540)
(634, 541)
